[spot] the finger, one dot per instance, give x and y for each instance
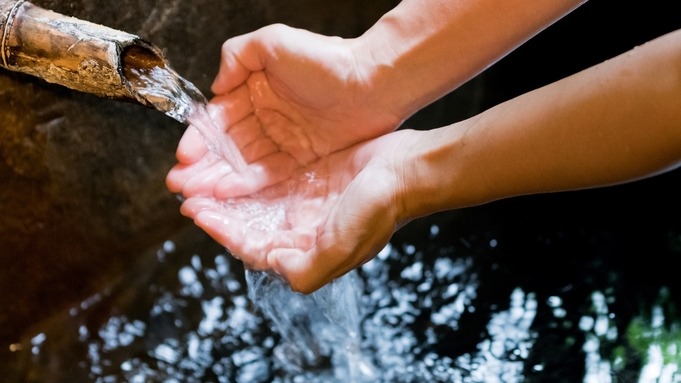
(261, 174)
(202, 183)
(246, 131)
(297, 268)
(180, 173)
(287, 135)
(229, 108)
(242, 55)
(176, 177)
(193, 206)
(258, 150)
(191, 147)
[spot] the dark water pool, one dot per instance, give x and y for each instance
(522, 297)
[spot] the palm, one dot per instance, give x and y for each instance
(317, 218)
(308, 120)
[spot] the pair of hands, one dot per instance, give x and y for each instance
(322, 193)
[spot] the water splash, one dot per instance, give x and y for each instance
(320, 330)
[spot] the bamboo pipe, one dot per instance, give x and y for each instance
(74, 53)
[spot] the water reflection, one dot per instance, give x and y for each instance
(426, 312)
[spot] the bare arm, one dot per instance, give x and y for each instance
(343, 91)
(422, 50)
(615, 122)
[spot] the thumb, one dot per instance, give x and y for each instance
(243, 55)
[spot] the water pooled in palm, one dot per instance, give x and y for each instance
(155, 83)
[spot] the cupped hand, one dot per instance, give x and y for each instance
(311, 94)
(316, 199)
(322, 220)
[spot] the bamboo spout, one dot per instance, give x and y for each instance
(64, 50)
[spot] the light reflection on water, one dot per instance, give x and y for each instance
(196, 324)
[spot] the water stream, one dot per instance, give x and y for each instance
(155, 83)
(321, 330)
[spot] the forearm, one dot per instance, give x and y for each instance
(422, 50)
(612, 123)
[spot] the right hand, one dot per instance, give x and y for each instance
(311, 94)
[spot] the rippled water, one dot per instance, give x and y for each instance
(425, 315)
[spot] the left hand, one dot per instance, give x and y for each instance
(314, 225)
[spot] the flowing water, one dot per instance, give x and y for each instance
(156, 84)
(321, 330)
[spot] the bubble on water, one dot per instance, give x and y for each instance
(385, 252)
(196, 263)
(221, 265)
(447, 269)
(212, 311)
(559, 312)
(413, 272)
(84, 305)
(599, 303)
(657, 316)
(600, 327)
(240, 301)
(187, 276)
(554, 301)
(586, 323)
(36, 342)
(169, 246)
(451, 291)
(166, 353)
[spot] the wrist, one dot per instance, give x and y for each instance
(394, 81)
(440, 171)
(420, 51)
